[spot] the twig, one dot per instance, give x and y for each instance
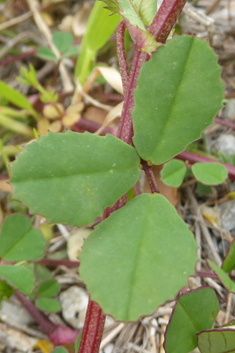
(34, 6)
(16, 20)
(204, 229)
(212, 7)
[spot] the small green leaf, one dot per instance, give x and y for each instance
(210, 173)
(62, 40)
(137, 12)
(173, 173)
(71, 178)
(48, 304)
(6, 291)
(59, 350)
(19, 277)
(229, 260)
(19, 241)
(203, 189)
(217, 341)
(73, 51)
(184, 96)
(194, 311)
(78, 341)
(15, 97)
(47, 53)
(48, 288)
(225, 279)
(138, 251)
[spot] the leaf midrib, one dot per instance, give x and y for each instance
(164, 128)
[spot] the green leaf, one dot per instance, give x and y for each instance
(15, 97)
(47, 53)
(71, 178)
(48, 288)
(203, 189)
(210, 173)
(19, 241)
(99, 28)
(225, 279)
(78, 341)
(19, 277)
(184, 96)
(138, 251)
(6, 291)
(48, 304)
(62, 40)
(74, 50)
(217, 341)
(59, 350)
(229, 260)
(138, 12)
(194, 311)
(173, 173)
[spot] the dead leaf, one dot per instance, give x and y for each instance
(111, 75)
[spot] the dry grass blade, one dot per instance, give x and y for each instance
(42, 26)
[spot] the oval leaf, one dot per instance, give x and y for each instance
(184, 96)
(19, 277)
(71, 178)
(19, 241)
(193, 312)
(210, 173)
(217, 341)
(62, 40)
(47, 54)
(48, 288)
(229, 260)
(138, 250)
(173, 173)
(48, 304)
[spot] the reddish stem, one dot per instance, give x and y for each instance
(225, 123)
(93, 329)
(58, 335)
(193, 158)
(165, 19)
(150, 177)
(46, 325)
(53, 262)
(122, 55)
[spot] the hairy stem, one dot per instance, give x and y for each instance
(150, 177)
(122, 56)
(93, 329)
